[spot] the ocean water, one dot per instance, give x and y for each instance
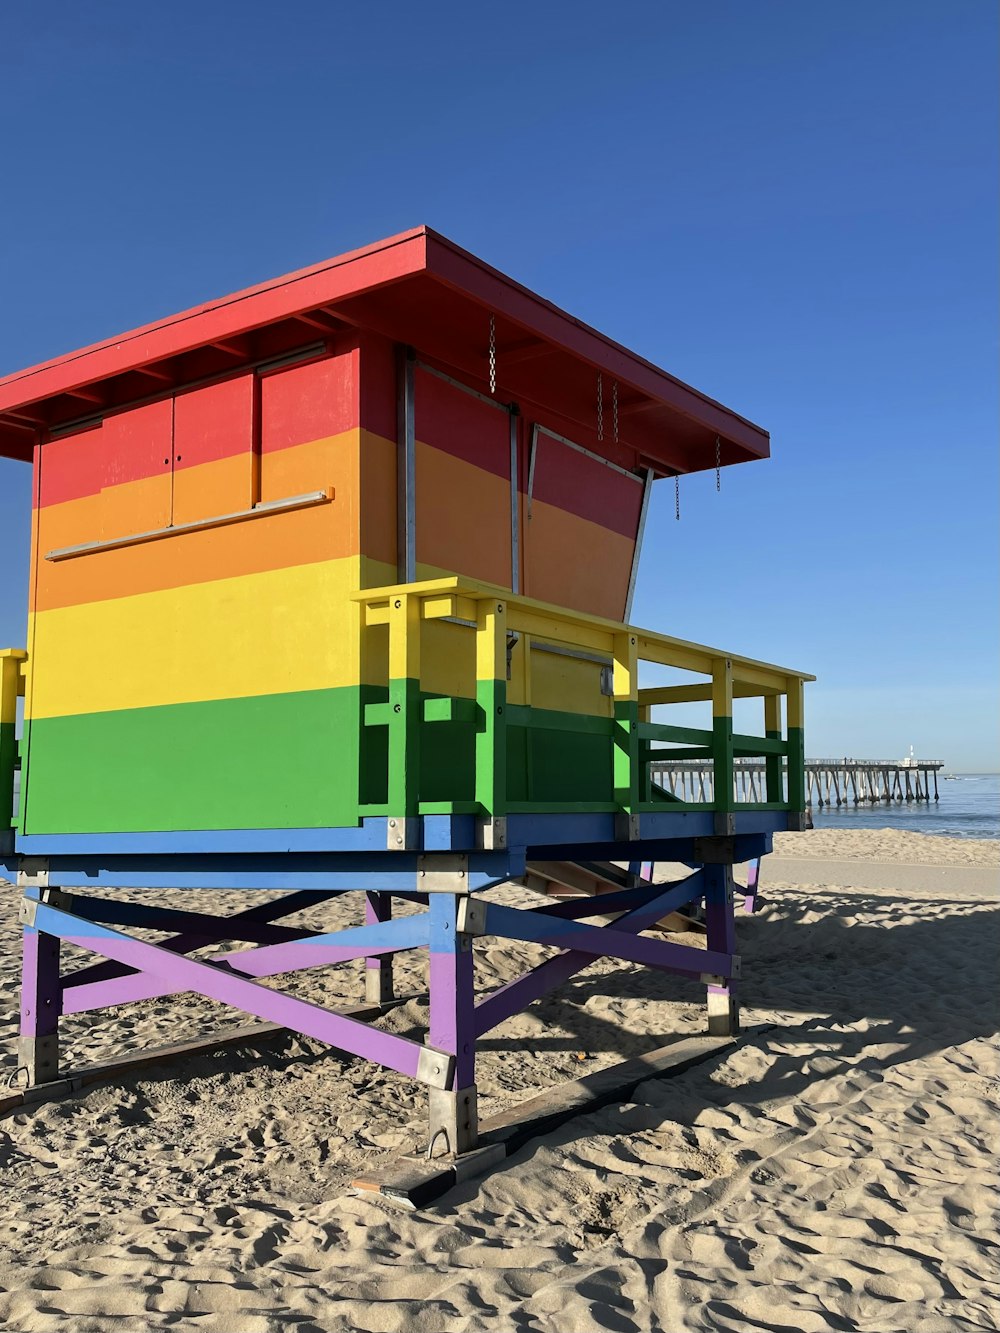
(969, 808)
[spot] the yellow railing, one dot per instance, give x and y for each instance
(495, 616)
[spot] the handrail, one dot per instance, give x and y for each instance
(494, 614)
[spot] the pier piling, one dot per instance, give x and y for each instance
(828, 781)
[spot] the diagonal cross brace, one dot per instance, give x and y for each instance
(194, 924)
(314, 951)
(602, 904)
(516, 995)
(194, 939)
(339, 946)
(434, 1068)
(601, 941)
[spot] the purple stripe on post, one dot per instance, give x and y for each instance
(720, 927)
(40, 988)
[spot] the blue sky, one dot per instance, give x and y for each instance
(792, 206)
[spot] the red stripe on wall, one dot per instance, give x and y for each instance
(581, 485)
(298, 404)
(462, 425)
(125, 447)
(309, 402)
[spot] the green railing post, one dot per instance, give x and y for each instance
(404, 706)
(491, 697)
(722, 746)
(773, 763)
(627, 750)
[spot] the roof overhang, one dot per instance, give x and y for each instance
(421, 290)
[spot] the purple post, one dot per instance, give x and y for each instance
(454, 1121)
(378, 970)
(720, 926)
(38, 1047)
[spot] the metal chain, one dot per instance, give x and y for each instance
(677, 496)
(614, 407)
(600, 406)
(493, 354)
(718, 457)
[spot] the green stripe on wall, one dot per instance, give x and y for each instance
(288, 761)
(273, 761)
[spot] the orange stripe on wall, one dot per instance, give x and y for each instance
(299, 537)
(463, 517)
(572, 562)
(273, 542)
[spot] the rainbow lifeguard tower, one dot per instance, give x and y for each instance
(329, 593)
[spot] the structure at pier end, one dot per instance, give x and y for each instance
(330, 593)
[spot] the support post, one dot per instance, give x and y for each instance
(796, 745)
(378, 971)
(720, 927)
(41, 995)
(723, 796)
(454, 1122)
(404, 707)
(491, 696)
(627, 749)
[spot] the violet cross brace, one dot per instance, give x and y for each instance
(435, 1068)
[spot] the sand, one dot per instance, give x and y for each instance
(834, 1172)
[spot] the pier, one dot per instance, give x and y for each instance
(828, 781)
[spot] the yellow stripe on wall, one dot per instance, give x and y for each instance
(267, 633)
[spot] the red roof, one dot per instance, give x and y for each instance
(419, 289)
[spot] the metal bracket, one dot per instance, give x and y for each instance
(797, 822)
(435, 1068)
(471, 918)
(725, 824)
(403, 835)
(33, 872)
(715, 851)
(28, 907)
(444, 872)
(626, 827)
(491, 834)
